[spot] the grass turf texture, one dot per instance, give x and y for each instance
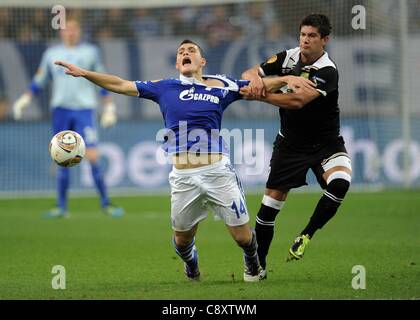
(133, 258)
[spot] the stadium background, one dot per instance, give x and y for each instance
(132, 257)
(379, 107)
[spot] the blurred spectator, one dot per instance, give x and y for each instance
(278, 39)
(118, 22)
(93, 23)
(24, 34)
(5, 23)
(76, 14)
(4, 107)
(41, 26)
(183, 21)
(144, 24)
(414, 16)
(256, 19)
(114, 24)
(104, 33)
(217, 27)
(4, 102)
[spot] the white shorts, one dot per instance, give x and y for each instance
(215, 186)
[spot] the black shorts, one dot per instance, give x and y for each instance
(289, 164)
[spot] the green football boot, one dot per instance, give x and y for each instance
(297, 250)
(113, 211)
(56, 213)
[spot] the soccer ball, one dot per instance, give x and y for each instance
(67, 148)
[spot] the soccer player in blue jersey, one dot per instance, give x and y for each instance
(73, 104)
(204, 178)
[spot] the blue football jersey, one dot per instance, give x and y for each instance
(192, 111)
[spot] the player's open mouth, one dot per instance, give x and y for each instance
(186, 61)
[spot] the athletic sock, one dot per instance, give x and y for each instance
(264, 226)
(250, 249)
(100, 184)
(327, 206)
(63, 182)
(250, 252)
(186, 253)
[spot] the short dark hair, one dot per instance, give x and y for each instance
(319, 21)
(192, 42)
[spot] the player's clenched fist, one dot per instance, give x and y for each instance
(295, 83)
(257, 88)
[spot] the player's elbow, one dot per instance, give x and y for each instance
(123, 87)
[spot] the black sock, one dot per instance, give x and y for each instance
(264, 229)
(327, 206)
(324, 211)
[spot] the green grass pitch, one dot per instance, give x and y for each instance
(133, 258)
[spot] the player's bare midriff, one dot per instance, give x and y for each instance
(186, 160)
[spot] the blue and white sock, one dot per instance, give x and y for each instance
(188, 253)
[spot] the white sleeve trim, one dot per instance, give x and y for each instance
(322, 92)
(138, 92)
(232, 86)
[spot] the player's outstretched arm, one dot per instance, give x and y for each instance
(106, 81)
(273, 84)
(291, 101)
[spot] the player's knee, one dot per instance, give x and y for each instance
(339, 184)
(243, 238)
(276, 195)
(182, 240)
(243, 241)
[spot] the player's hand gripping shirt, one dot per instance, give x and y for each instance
(192, 112)
(318, 121)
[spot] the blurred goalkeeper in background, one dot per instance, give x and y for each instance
(73, 105)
